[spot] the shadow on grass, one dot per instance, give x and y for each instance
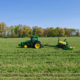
(23, 47)
(18, 47)
(57, 48)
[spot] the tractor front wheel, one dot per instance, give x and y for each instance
(37, 45)
(25, 46)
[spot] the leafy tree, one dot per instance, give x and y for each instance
(3, 28)
(16, 30)
(53, 32)
(11, 29)
(58, 31)
(46, 32)
(35, 28)
(73, 31)
(40, 31)
(8, 34)
(0, 28)
(67, 32)
(77, 33)
(26, 30)
(30, 32)
(62, 32)
(20, 32)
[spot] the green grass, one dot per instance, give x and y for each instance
(48, 63)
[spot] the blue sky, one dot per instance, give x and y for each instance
(43, 13)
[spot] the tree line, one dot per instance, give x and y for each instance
(26, 31)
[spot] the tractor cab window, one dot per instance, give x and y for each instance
(34, 38)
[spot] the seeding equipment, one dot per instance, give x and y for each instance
(35, 43)
(62, 44)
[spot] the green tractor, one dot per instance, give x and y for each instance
(64, 44)
(34, 43)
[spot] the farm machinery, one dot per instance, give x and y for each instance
(62, 44)
(35, 43)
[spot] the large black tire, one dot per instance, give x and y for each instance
(63, 46)
(37, 45)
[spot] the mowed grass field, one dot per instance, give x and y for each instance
(48, 63)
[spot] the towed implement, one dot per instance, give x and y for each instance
(62, 44)
(35, 43)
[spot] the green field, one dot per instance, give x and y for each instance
(48, 63)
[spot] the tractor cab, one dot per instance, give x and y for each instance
(34, 38)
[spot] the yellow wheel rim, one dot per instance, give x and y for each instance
(73, 47)
(37, 45)
(25, 46)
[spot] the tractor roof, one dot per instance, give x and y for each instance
(34, 36)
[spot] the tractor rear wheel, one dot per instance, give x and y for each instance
(25, 46)
(37, 45)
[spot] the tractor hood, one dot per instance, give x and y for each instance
(29, 41)
(22, 43)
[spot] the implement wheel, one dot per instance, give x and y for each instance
(37, 45)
